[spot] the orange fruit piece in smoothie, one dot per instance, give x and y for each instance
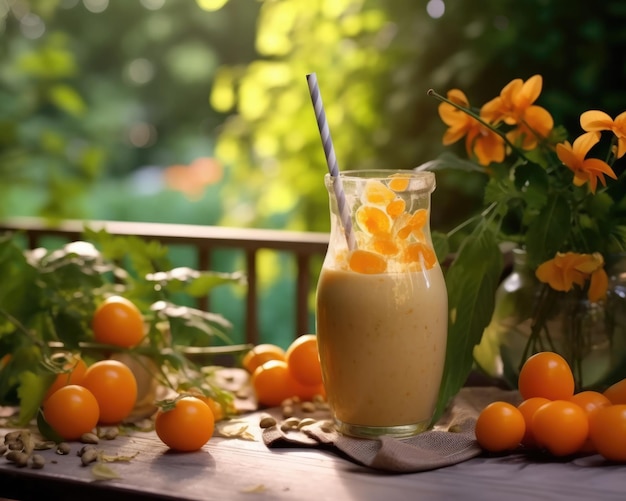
(395, 207)
(418, 251)
(377, 193)
(363, 261)
(384, 244)
(373, 220)
(399, 182)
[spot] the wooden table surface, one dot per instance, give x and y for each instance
(237, 469)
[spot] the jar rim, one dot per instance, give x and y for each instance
(420, 180)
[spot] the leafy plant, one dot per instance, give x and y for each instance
(48, 297)
(561, 202)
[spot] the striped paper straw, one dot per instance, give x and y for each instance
(331, 158)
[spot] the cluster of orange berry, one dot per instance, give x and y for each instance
(105, 393)
(278, 374)
(553, 417)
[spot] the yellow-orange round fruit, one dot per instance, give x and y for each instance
(561, 427)
(71, 411)
(186, 427)
(115, 388)
(304, 361)
(272, 383)
(75, 372)
(546, 374)
(260, 354)
(500, 427)
(616, 393)
(117, 321)
(607, 432)
(528, 408)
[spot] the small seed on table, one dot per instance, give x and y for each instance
(89, 456)
(290, 424)
(288, 411)
(37, 461)
(63, 448)
(18, 457)
(89, 438)
(110, 433)
(306, 422)
(267, 421)
(308, 407)
(318, 399)
(84, 449)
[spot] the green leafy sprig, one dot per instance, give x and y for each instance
(48, 297)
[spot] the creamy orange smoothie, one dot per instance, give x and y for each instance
(382, 340)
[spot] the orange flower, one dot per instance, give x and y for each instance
(514, 106)
(480, 141)
(567, 269)
(586, 170)
(596, 121)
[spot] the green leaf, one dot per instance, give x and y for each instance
(191, 326)
(67, 99)
(447, 161)
(532, 182)
(193, 282)
(501, 191)
(46, 430)
(548, 231)
(31, 390)
(471, 282)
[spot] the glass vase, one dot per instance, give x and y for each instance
(591, 336)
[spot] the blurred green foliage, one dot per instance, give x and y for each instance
(89, 94)
(90, 98)
(375, 61)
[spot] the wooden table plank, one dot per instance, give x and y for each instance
(235, 469)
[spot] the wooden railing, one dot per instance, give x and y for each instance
(205, 240)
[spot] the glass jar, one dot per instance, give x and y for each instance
(381, 308)
(591, 336)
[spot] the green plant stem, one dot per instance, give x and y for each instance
(538, 325)
(20, 326)
(470, 220)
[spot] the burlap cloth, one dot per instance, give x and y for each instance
(449, 442)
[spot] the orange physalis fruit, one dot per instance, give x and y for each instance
(377, 193)
(303, 360)
(419, 252)
(399, 182)
(363, 261)
(383, 244)
(260, 354)
(395, 207)
(418, 219)
(373, 220)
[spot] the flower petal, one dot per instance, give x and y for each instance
(598, 285)
(583, 143)
(594, 120)
(529, 92)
